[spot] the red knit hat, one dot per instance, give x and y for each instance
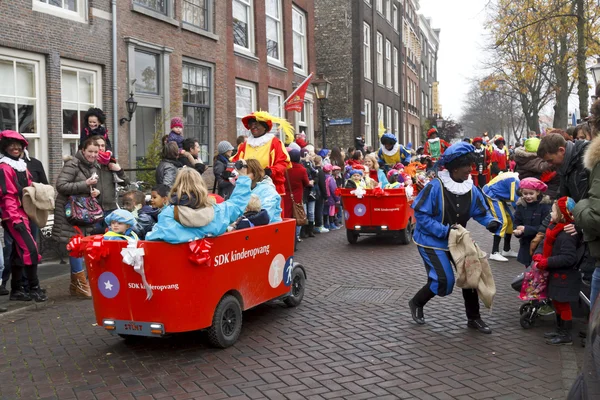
(431, 132)
(477, 139)
(566, 206)
(176, 122)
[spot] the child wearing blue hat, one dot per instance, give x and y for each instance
(120, 224)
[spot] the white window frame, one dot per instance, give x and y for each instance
(278, 112)
(368, 120)
(41, 114)
(304, 69)
(380, 115)
(251, 40)
(388, 119)
(396, 123)
(379, 49)
(368, 3)
(209, 17)
(76, 66)
(395, 72)
(252, 87)
(306, 118)
(78, 16)
(379, 6)
(279, 23)
(388, 64)
(367, 51)
(388, 10)
(395, 17)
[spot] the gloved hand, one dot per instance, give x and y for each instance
(268, 171)
(493, 226)
(542, 262)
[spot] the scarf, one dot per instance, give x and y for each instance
(551, 235)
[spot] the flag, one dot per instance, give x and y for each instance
(381, 128)
(295, 102)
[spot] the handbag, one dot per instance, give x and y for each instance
(83, 210)
(297, 208)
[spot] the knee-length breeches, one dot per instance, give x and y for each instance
(24, 242)
(440, 272)
(502, 213)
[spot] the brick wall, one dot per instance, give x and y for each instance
(57, 38)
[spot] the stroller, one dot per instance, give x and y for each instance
(536, 305)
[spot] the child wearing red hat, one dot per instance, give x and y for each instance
(176, 134)
(560, 257)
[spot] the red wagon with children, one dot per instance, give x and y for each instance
(152, 288)
(381, 212)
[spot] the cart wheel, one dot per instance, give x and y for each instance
(351, 236)
(405, 235)
(527, 320)
(227, 323)
(297, 289)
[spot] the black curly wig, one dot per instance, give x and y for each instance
(94, 112)
(462, 161)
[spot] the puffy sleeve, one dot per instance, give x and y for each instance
(587, 211)
(9, 198)
(234, 207)
(426, 207)
(381, 177)
(280, 160)
(480, 211)
(67, 183)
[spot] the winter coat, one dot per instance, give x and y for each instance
(101, 131)
(270, 200)
(430, 230)
(378, 176)
(186, 162)
(298, 180)
(564, 278)
(574, 177)
(310, 191)
(192, 224)
(331, 186)
(529, 165)
(587, 211)
(224, 187)
(174, 137)
(530, 216)
(320, 181)
(253, 218)
(147, 218)
(107, 187)
(36, 169)
(166, 172)
(70, 181)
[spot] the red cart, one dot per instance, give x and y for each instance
(378, 212)
(192, 286)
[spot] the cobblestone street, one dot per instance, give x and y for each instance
(351, 338)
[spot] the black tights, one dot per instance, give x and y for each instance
(497, 240)
(469, 295)
(30, 272)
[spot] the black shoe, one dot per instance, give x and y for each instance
(38, 294)
(3, 290)
(479, 325)
(417, 313)
(562, 339)
(19, 295)
(551, 335)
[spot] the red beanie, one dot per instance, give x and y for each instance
(431, 132)
(566, 206)
(176, 122)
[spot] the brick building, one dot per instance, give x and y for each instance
(411, 63)
(55, 63)
(430, 42)
(359, 52)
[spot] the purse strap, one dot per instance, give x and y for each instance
(287, 178)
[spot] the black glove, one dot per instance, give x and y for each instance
(493, 226)
(268, 171)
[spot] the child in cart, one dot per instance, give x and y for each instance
(356, 180)
(120, 226)
(560, 257)
(254, 215)
(395, 180)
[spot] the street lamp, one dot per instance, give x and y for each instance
(131, 107)
(322, 87)
(440, 122)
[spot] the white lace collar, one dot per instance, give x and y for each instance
(259, 141)
(479, 150)
(391, 152)
(437, 139)
(18, 165)
(497, 149)
(454, 187)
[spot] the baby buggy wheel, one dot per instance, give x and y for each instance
(527, 319)
(524, 308)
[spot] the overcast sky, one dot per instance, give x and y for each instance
(461, 42)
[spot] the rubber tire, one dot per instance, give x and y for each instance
(351, 236)
(405, 235)
(525, 321)
(524, 308)
(298, 278)
(216, 336)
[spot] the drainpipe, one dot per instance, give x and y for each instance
(114, 82)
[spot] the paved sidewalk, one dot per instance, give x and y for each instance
(351, 338)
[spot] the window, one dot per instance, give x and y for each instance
(379, 6)
(160, 6)
(380, 59)
(388, 64)
(395, 72)
(274, 31)
(146, 72)
(245, 103)
(304, 120)
(388, 119)
(367, 121)
(21, 89)
(275, 103)
(81, 89)
(367, 50)
(196, 13)
(243, 25)
(197, 100)
(368, 2)
(148, 120)
(396, 122)
(395, 17)
(300, 51)
(380, 115)
(388, 12)
(75, 10)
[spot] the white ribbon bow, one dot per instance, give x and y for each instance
(359, 192)
(134, 256)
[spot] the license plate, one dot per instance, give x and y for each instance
(134, 328)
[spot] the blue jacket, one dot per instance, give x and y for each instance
(382, 178)
(169, 230)
(430, 230)
(270, 200)
(504, 188)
